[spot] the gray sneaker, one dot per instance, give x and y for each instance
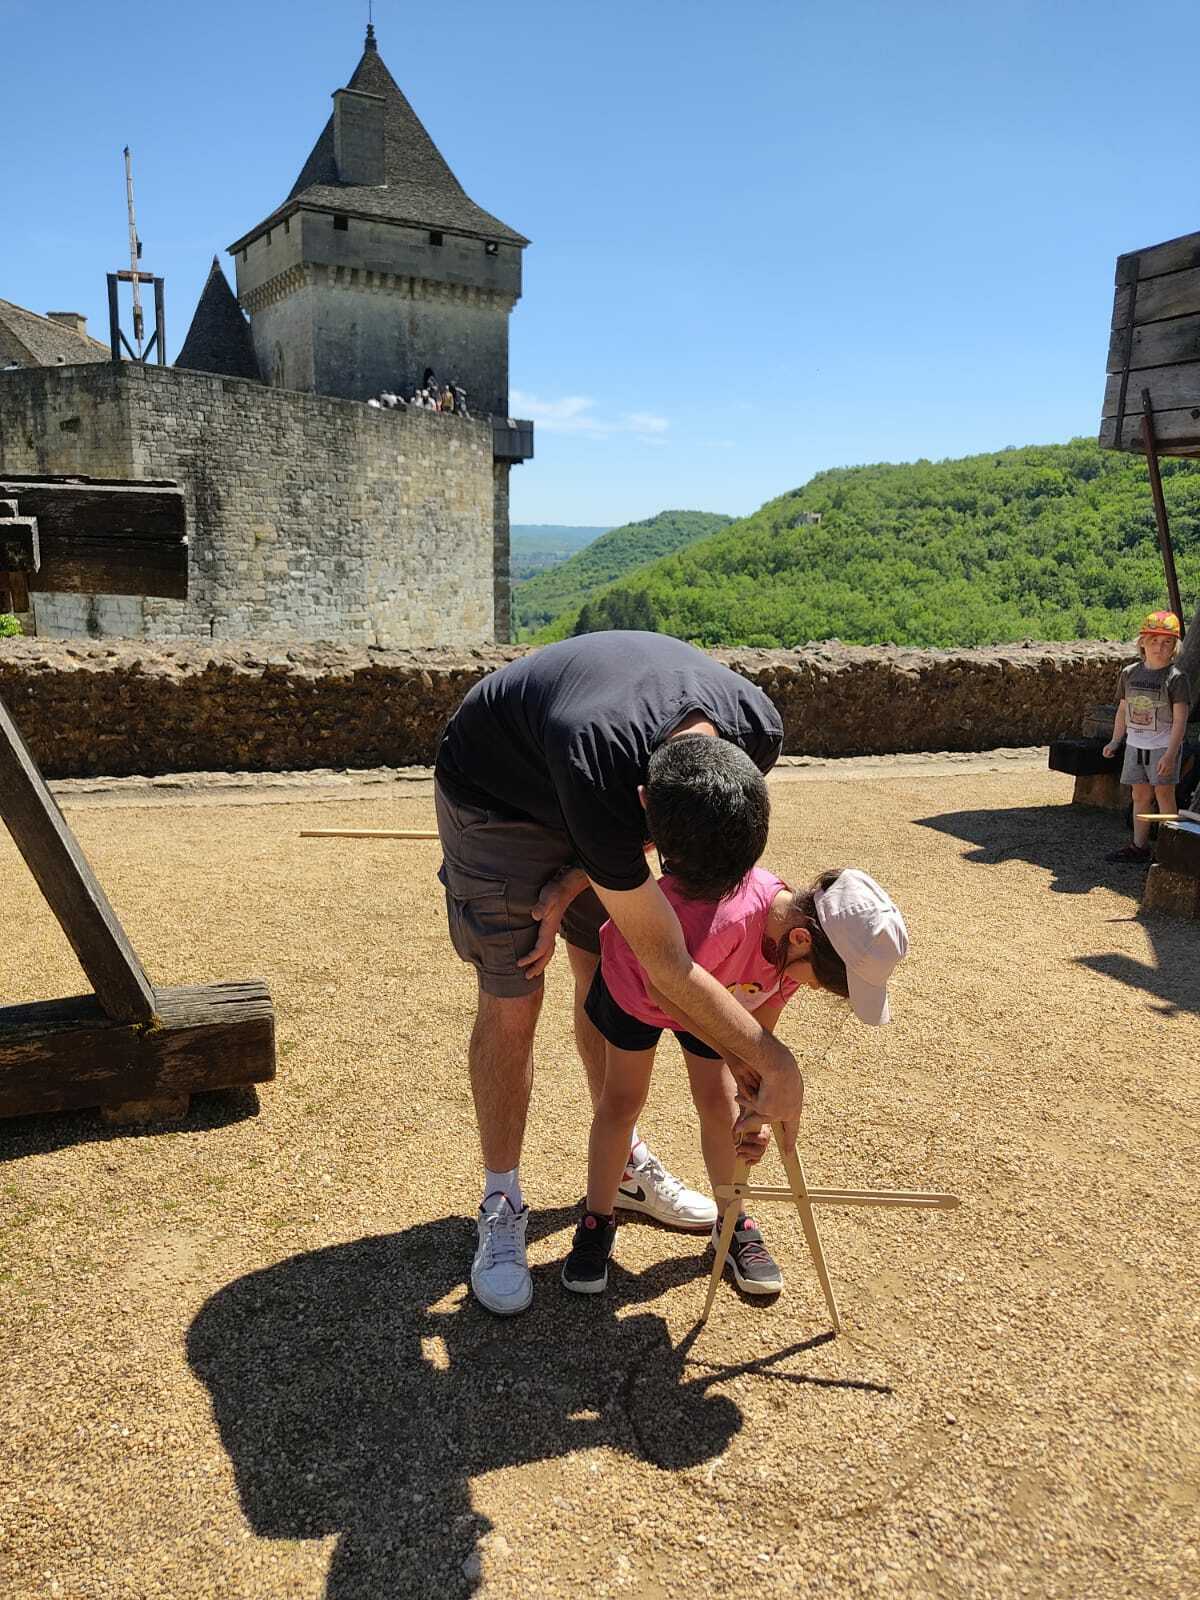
(754, 1268)
(499, 1273)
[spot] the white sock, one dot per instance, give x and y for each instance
(638, 1148)
(505, 1183)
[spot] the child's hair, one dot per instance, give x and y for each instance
(827, 965)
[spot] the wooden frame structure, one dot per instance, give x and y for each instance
(798, 1193)
(135, 1051)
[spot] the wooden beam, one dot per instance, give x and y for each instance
(78, 564)
(1158, 344)
(1177, 432)
(19, 549)
(1176, 255)
(64, 1055)
(1176, 294)
(130, 510)
(1171, 389)
(68, 884)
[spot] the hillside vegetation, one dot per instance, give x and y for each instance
(1046, 542)
(534, 546)
(565, 587)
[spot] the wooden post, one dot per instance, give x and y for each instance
(114, 317)
(1160, 505)
(68, 884)
(160, 322)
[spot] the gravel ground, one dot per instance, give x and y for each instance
(238, 1357)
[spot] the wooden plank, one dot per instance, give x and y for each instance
(1178, 850)
(83, 564)
(63, 1055)
(68, 884)
(1171, 389)
(1178, 432)
(130, 510)
(1158, 344)
(1175, 255)
(19, 549)
(1175, 295)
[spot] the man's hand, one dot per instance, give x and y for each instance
(549, 910)
(773, 1092)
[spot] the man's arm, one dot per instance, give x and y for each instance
(652, 930)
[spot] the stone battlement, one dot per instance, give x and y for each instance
(117, 709)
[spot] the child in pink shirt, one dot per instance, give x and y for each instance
(842, 934)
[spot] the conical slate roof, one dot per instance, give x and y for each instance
(219, 338)
(418, 188)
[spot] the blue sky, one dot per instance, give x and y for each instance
(767, 239)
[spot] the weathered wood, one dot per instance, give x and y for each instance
(1177, 432)
(1161, 520)
(1178, 850)
(1083, 757)
(14, 592)
(1171, 389)
(62, 1055)
(68, 884)
(1176, 294)
(82, 564)
(19, 548)
(1100, 791)
(1158, 344)
(1176, 893)
(73, 506)
(1175, 255)
(106, 538)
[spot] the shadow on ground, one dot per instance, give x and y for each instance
(358, 1390)
(1071, 843)
(46, 1131)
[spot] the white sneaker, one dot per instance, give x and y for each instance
(499, 1274)
(651, 1189)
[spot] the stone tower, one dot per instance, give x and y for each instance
(378, 266)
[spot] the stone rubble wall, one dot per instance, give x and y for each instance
(123, 708)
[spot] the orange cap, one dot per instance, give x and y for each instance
(1164, 622)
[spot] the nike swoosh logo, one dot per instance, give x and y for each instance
(636, 1193)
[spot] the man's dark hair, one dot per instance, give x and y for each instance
(708, 810)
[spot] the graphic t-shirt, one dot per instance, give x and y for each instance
(725, 939)
(563, 737)
(1149, 694)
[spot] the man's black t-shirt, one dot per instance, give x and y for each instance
(563, 737)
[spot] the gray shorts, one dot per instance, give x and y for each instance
(493, 870)
(1141, 766)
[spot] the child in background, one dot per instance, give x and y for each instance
(763, 942)
(1152, 718)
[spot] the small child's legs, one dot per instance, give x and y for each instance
(1143, 793)
(626, 1081)
(1164, 795)
(714, 1094)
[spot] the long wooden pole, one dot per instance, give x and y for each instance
(369, 833)
(1150, 445)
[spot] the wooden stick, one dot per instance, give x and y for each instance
(842, 1197)
(369, 833)
(740, 1173)
(1158, 816)
(794, 1168)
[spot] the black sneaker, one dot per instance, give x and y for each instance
(586, 1268)
(1130, 852)
(755, 1270)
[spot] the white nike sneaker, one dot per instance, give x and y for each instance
(649, 1188)
(499, 1273)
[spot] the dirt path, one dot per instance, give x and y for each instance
(238, 1358)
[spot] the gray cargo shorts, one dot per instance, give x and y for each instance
(1141, 766)
(493, 870)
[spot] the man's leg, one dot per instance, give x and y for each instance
(501, 1060)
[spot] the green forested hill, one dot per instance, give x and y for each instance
(1046, 542)
(566, 586)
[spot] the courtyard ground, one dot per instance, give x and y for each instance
(238, 1357)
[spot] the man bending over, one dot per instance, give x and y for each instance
(572, 758)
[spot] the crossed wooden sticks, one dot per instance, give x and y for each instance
(804, 1198)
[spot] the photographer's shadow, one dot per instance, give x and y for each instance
(358, 1389)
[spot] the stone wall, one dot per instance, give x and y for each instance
(310, 518)
(96, 710)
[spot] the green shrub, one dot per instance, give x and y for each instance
(9, 626)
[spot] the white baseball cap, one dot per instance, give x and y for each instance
(867, 931)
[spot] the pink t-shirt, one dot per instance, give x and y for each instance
(725, 939)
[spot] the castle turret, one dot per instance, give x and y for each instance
(219, 337)
(377, 266)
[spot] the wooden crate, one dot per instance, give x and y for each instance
(1155, 346)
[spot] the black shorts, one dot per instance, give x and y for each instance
(626, 1032)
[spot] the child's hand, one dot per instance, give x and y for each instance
(751, 1143)
(1111, 748)
(1163, 770)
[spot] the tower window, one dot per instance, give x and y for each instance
(287, 224)
(491, 248)
(435, 238)
(341, 224)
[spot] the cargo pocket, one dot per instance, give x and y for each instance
(480, 926)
